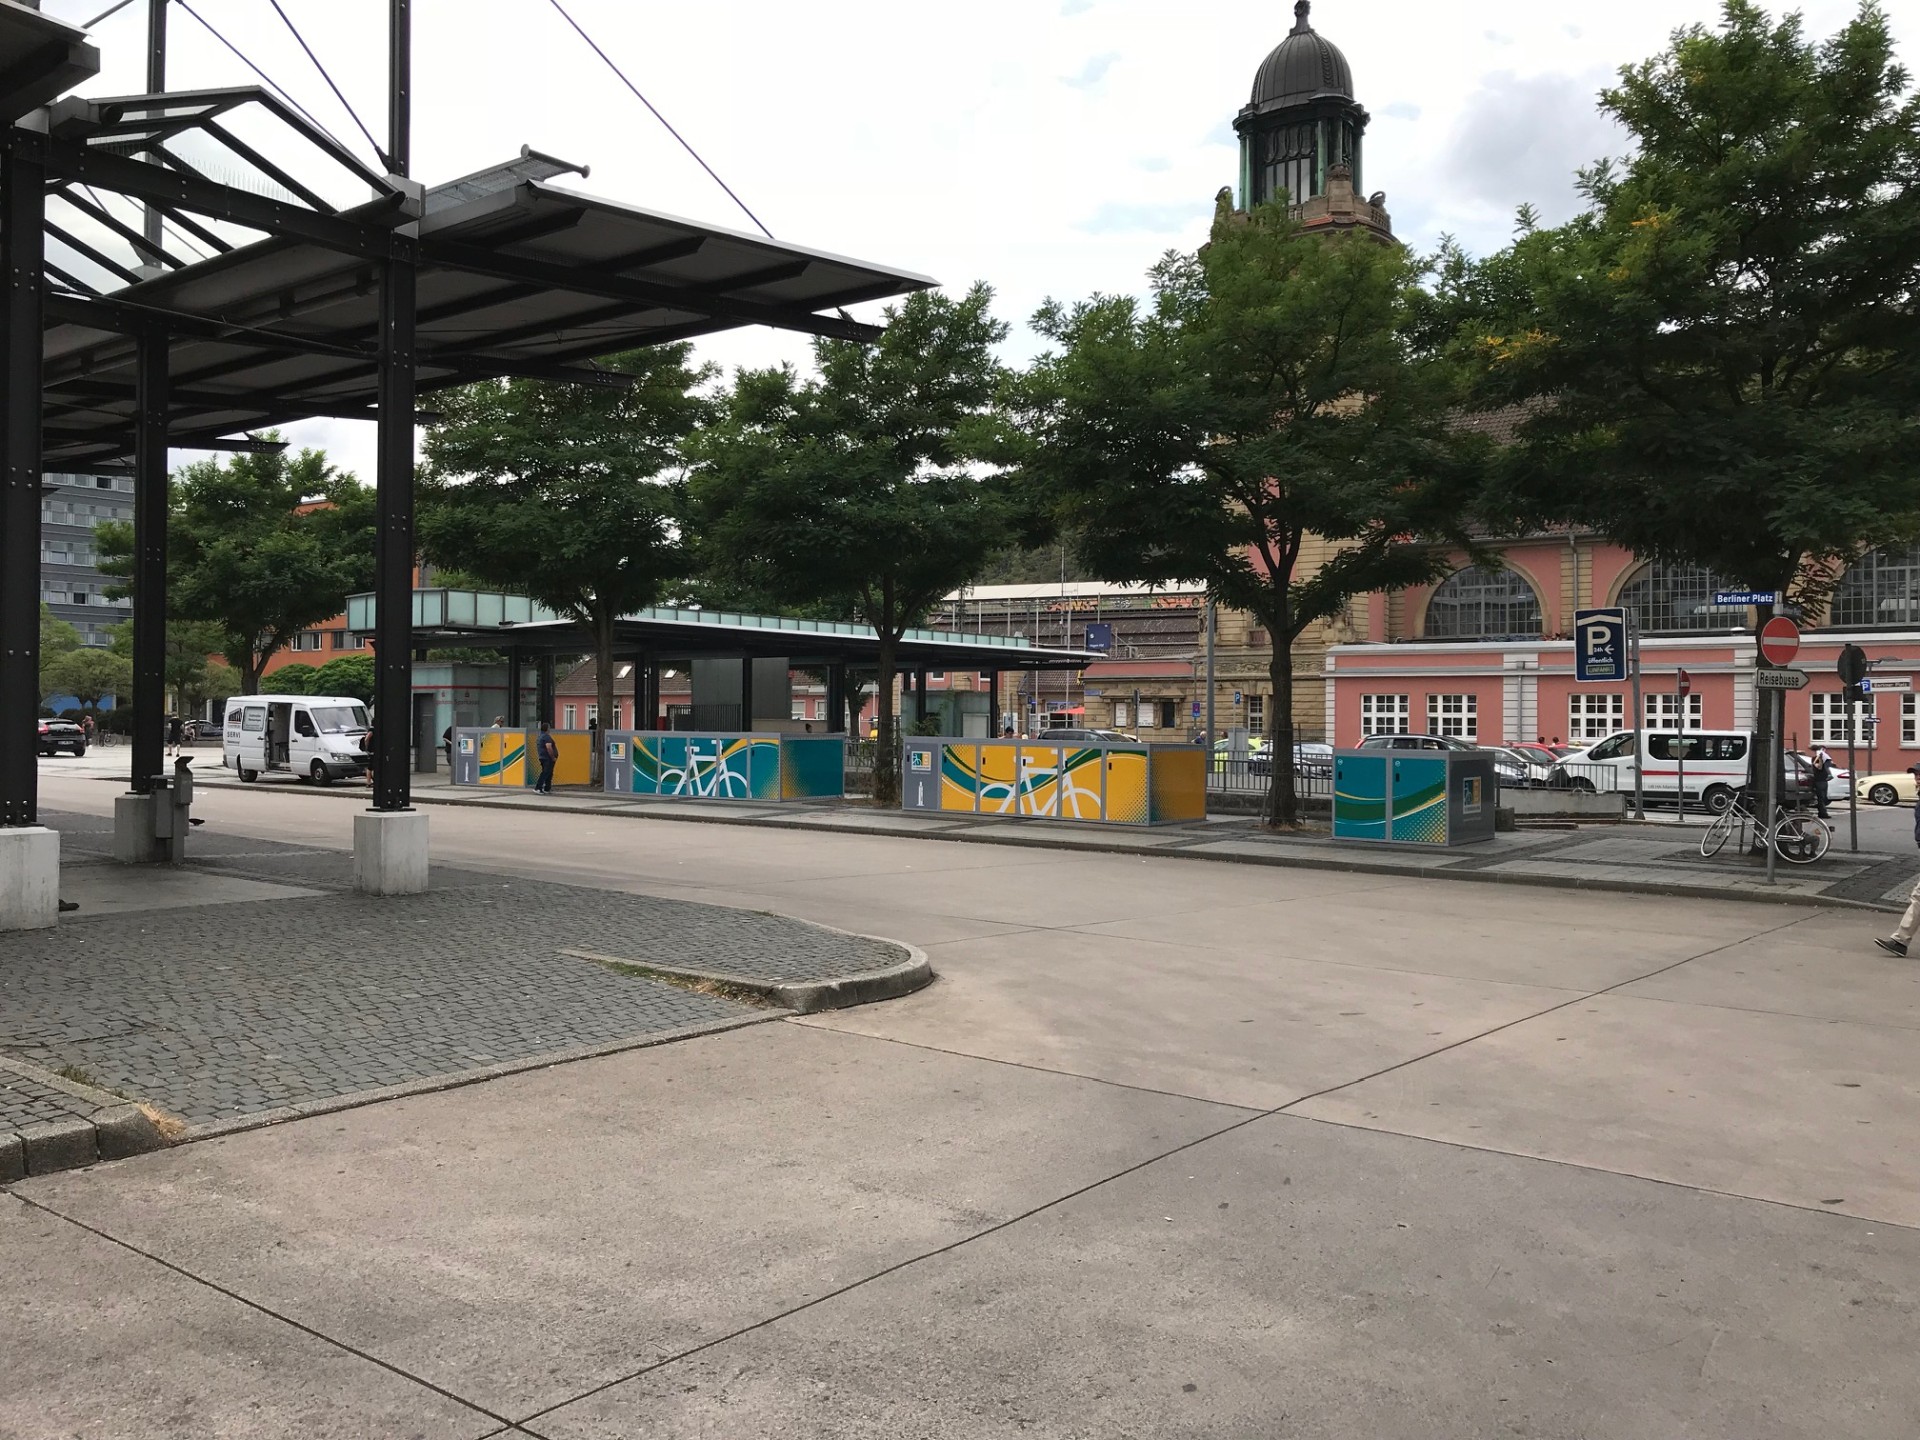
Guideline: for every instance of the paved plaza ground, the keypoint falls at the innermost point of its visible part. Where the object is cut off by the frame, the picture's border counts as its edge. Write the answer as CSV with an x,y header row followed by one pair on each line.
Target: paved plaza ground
x,y
1168,1149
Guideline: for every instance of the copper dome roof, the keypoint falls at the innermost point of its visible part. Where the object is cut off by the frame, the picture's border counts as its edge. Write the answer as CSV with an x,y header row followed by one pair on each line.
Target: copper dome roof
x,y
1302,67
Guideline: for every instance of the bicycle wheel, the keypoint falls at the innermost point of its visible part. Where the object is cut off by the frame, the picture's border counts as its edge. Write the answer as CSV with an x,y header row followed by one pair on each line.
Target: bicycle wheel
x,y
1718,832
1800,840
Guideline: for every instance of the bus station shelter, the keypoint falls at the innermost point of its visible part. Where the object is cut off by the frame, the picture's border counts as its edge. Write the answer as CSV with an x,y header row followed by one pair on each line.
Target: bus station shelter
x,y
186,268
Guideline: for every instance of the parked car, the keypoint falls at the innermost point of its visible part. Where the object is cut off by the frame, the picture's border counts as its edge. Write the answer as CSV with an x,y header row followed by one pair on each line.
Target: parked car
x,y
1841,775
1258,762
1310,757
58,735
1538,772
1511,769
1888,787
321,738
1082,737
1537,754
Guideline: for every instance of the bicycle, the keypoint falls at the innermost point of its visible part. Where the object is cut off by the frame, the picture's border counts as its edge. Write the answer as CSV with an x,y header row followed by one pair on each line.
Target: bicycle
x,y
1796,837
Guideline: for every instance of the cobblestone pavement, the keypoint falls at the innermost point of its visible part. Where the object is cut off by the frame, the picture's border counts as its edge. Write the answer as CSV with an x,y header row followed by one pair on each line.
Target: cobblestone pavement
x,y
219,1011
25,1101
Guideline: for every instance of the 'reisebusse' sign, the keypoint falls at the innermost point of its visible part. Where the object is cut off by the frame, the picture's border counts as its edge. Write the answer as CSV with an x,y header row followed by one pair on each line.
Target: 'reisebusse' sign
x,y
1599,645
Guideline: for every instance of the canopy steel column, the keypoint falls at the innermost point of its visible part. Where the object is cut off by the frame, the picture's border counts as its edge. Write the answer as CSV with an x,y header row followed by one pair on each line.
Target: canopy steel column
x,y
23,185
544,672
837,699
393,548
150,564
513,687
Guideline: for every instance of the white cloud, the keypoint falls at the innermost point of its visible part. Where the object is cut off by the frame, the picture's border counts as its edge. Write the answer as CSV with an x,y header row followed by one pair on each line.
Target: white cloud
x,y
1093,72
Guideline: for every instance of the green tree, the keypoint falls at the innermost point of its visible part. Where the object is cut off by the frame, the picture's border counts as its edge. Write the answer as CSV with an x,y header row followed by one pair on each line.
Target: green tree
x,y
347,675
57,638
861,491
567,493
90,675
1723,350
1270,392
261,545
190,648
294,679
219,681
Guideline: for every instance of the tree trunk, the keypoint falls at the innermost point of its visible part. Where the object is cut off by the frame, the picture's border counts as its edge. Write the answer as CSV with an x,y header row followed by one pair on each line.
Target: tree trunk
x,y
603,618
886,750
1283,799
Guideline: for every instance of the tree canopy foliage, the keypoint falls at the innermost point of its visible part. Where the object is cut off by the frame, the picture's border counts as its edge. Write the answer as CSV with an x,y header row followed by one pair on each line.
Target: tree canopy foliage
x,y
1721,352
567,493
865,491
262,546
1270,391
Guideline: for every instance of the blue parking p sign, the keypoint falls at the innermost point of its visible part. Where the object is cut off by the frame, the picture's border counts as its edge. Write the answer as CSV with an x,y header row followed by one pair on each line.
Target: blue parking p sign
x,y
1599,645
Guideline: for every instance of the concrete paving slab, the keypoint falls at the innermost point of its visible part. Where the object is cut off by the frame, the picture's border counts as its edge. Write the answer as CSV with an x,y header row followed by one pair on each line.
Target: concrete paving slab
x,y
1295,1280
521,1241
104,1343
1252,1029
117,889
1804,1111
1552,908
1378,932
1825,973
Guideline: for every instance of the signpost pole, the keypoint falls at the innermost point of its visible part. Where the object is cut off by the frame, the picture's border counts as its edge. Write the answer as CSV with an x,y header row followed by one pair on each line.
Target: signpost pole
x,y
1680,709
1639,720
1853,790
1776,708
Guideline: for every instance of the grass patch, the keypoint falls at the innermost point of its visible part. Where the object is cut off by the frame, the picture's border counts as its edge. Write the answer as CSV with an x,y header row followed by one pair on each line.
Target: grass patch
x,y
80,1077
717,989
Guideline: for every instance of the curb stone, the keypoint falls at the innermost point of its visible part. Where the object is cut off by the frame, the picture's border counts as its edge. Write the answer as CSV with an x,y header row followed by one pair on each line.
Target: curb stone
x,y
108,1128
802,997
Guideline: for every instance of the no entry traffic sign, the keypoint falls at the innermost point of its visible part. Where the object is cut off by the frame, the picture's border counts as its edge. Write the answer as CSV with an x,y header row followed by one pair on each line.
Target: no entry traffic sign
x,y
1779,640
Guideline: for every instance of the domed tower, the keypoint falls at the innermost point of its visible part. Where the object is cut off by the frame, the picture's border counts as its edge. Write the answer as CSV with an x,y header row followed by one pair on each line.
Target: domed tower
x,y
1301,134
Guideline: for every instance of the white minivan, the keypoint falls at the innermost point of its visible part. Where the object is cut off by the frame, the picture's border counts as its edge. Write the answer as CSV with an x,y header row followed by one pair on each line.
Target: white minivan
x,y
321,738
1717,763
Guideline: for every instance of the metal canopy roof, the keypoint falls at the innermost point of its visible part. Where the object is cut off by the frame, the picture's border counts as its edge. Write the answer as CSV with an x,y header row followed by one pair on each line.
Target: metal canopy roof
x,y
40,59
516,276
466,617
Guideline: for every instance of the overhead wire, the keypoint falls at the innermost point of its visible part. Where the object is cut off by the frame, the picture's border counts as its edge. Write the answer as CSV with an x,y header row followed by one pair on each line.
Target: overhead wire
x,y
345,103
110,10
594,46
271,83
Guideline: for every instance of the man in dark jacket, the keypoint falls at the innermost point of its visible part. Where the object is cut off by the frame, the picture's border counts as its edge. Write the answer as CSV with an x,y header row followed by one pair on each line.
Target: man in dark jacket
x,y
1910,921
548,750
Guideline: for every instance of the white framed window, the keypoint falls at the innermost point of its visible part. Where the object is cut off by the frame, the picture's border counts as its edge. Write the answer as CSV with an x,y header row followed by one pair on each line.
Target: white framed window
x,y
800,710
1594,717
1122,714
1454,717
569,716
1827,719
1385,714
1663,714
1909,721
306,640
593,713
1256,714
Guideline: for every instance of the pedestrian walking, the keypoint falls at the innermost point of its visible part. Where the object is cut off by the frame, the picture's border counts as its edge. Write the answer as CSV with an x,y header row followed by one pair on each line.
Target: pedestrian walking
x,y
1822,777
86,726
549,752
446,744
175,733
1909,922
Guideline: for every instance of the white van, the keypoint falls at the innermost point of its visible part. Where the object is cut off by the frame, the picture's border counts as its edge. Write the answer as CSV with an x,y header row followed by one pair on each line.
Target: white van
x,y
1717,763
321,738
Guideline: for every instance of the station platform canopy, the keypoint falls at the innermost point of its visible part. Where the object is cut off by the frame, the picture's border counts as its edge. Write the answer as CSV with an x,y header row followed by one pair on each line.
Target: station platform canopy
x,y
41,58
270,301
451,618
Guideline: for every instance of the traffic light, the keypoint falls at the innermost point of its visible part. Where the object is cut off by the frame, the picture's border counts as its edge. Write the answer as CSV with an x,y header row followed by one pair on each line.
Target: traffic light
x,y
1852,667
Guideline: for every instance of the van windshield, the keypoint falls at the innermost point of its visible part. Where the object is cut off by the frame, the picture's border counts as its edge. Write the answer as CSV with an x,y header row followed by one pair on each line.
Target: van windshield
x,y
339,719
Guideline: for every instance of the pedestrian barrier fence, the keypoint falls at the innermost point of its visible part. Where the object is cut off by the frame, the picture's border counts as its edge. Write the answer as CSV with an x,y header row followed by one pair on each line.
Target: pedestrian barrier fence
x,y
686,765
1421,797
1101,782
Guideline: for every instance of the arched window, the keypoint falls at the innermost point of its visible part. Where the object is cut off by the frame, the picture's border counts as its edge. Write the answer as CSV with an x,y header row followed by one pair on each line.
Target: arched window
x,y
1477,604
1882,587
1670,598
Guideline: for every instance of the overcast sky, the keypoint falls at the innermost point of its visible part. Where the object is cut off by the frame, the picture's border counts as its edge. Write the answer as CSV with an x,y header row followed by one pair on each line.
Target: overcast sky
x,y
1048,147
